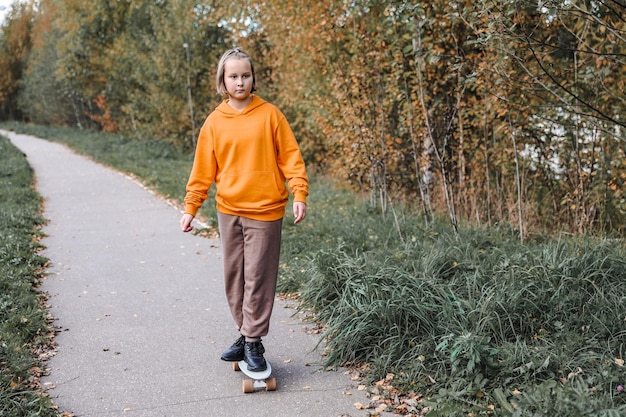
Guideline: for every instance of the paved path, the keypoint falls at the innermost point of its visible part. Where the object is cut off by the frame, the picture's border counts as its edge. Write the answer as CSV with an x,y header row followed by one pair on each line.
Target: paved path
x,y
142,313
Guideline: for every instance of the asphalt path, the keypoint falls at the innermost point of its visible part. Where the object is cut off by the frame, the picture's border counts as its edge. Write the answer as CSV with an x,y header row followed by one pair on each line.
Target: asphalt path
x,y
141,310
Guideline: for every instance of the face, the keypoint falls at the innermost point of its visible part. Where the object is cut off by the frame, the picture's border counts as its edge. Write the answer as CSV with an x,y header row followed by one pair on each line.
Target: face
x,y
238,79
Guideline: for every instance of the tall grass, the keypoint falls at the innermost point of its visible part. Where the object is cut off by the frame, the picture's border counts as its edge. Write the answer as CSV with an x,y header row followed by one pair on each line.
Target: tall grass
x,y
24,327
479,324
476,323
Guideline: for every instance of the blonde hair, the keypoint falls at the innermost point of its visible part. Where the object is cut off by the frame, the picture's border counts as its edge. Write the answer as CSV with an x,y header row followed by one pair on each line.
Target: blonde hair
x,y
235,53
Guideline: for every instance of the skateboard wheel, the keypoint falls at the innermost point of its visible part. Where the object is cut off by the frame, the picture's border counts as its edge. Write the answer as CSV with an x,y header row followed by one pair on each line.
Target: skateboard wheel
x,y
270,384
236,366
247,386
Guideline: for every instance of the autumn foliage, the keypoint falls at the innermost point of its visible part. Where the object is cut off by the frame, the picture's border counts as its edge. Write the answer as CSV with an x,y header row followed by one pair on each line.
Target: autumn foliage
x,y
496,111
105,120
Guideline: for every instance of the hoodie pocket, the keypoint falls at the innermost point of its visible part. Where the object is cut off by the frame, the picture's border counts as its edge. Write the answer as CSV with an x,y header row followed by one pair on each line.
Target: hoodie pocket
x,y
250,190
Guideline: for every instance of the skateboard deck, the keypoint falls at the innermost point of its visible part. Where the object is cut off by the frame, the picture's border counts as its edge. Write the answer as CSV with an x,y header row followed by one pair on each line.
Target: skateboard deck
x,y
257,380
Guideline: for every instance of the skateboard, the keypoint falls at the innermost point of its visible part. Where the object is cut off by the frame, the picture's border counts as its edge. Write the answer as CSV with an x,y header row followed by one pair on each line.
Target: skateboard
x,y
258,379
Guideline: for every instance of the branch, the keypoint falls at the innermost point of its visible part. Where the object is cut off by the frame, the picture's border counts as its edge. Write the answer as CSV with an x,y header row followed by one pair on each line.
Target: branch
x,y
584,51
612,10
571,93
598,20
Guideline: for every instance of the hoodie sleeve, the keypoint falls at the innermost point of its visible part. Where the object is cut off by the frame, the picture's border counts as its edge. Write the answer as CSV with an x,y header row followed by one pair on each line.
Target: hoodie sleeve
x,y
290,161
203,171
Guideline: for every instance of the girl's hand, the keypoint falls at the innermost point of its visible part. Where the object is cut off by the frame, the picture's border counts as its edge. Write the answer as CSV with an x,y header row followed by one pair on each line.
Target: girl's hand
x,y
185,223
299,211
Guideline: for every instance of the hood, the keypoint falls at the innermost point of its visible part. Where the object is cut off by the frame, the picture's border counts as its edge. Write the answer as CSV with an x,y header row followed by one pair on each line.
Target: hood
x,y
225,110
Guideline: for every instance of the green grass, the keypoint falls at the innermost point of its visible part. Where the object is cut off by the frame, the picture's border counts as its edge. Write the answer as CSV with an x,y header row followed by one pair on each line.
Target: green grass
x,y
472,325
468,323
24,328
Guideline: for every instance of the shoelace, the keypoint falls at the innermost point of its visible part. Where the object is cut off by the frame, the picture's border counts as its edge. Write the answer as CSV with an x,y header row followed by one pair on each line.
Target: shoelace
x,y
239,342
256,348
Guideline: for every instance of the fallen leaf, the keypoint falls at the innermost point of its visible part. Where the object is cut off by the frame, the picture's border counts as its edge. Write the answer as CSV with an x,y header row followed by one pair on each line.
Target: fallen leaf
x,y
619,362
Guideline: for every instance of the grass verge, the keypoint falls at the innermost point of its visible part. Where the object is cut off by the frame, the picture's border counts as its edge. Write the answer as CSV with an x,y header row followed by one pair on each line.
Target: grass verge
x,y
444,326
24,326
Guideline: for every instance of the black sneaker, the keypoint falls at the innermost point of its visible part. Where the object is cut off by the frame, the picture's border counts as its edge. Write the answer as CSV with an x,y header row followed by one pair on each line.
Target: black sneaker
x,y
235,352
253,355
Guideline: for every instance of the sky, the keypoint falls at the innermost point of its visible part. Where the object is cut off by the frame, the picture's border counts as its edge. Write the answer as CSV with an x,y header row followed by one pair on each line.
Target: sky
x,y
5,6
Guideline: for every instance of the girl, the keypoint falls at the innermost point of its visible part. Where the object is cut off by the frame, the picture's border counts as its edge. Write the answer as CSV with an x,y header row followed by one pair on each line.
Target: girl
x,y
248,150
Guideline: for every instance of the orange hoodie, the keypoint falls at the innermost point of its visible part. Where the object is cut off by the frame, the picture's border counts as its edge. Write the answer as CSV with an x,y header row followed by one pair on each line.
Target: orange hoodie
x,y
249,155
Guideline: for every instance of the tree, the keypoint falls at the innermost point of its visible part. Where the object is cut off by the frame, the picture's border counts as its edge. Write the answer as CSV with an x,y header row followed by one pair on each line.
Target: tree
x,y
563,67
15,46
125,67
495,111
44,98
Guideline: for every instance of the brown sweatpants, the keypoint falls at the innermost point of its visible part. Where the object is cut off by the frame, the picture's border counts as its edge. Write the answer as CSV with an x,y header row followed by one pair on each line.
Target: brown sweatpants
x,y
251,253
